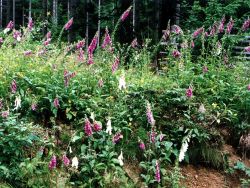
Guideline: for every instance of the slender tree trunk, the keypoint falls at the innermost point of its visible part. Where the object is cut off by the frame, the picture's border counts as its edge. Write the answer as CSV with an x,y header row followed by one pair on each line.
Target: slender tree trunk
x,y
8,18
87,23
23,15
136,13
68,16
45,19
99,21
14,12
177,12
29,9
1,14
157,19
55,4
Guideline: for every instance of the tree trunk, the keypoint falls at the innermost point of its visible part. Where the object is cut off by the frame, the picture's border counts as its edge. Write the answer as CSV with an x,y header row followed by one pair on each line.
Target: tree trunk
x,y
157,19
87,23
136,13
29,9
55,4
177,13
68,15
1,14
45,18
99,21
14,12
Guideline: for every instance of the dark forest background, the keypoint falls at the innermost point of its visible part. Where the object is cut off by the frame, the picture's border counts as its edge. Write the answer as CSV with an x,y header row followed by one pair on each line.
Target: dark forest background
x,y
147,18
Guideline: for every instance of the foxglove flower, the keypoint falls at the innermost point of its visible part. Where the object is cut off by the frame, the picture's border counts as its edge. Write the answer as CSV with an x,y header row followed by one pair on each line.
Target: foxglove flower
x,y
202,109
176,54
87,127
125,14
213,29
17,35
161,137
1,104
27,53
13,86
109,127
198,32
17,103
218,48
30,24
33,106
152,135
66,160
189,92
68,24
93,44
248,87
247,49
90,59
230,26
115,65
141,145
5,114
157,172
134,43
205,69
120,159
1,40
56,103
100,83
221,26
48,35
149,114
246,25
184,148
122,83
97,126
192,44
176,29
70,149
47,42
117,137
80,44
75,162
81,55
52,163
107,39
9,27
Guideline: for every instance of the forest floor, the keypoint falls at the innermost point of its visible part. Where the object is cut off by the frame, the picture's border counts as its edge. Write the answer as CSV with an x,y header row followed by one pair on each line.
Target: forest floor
x,y
200,176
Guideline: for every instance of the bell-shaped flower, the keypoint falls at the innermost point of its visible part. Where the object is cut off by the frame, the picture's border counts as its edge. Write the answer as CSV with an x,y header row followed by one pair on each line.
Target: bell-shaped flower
x,y
109,127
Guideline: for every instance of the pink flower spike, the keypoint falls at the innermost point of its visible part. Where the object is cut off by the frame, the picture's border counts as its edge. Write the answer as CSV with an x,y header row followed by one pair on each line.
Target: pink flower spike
x,y
192,44
157,172
248,87
125,14
56,103
5,114
189,92
97,127
246,25
149,114
115,65
17,35
13,86
66,160
230,26
247,49
10,25
117,137
100,83
80,44
198,32
81,55
176,54
48,35
90,59
27,53
68,24
221,26
93,44
52,163
1,40
87,127
141,145
30,24
107,39
134,43
33,106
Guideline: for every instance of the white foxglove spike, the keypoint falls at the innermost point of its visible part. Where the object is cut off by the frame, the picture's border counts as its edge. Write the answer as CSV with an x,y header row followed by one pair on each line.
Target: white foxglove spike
x,y
75,162
109,127
120,159
17,103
